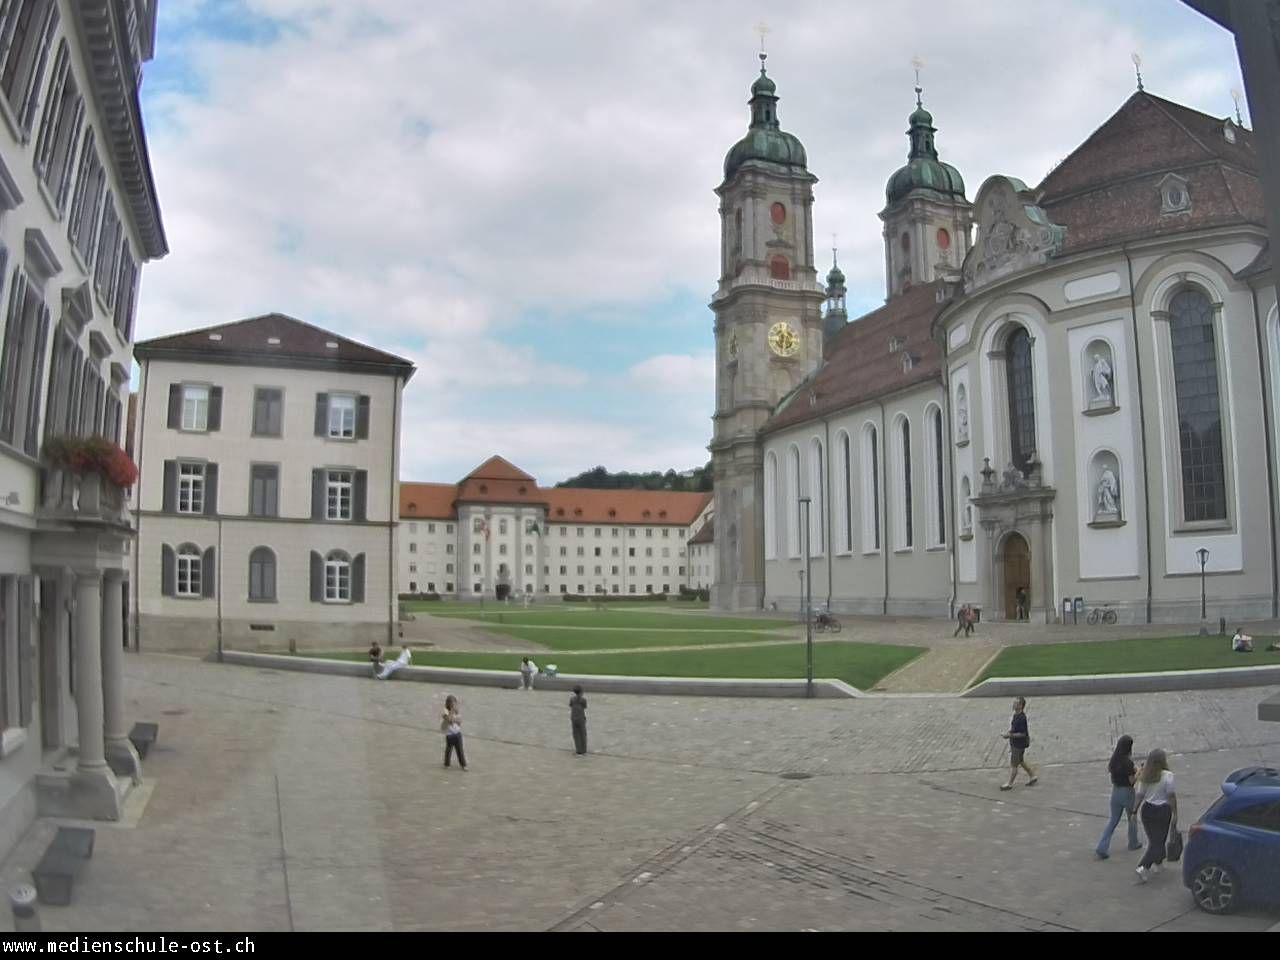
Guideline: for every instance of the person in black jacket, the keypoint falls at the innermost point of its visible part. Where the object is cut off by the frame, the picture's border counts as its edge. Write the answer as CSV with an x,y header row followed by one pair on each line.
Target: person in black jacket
x,y
1019,738
578,720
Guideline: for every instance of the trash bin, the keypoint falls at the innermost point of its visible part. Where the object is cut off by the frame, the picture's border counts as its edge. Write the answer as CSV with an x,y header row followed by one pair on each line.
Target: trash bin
x,y
550,670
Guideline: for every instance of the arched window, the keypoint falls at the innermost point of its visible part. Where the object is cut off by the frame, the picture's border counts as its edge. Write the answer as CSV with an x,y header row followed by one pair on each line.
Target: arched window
x,y
1195,378
189,581
906,532
1022,405
844,496
337,577
793,501
871,486
937,495
262,574
817,513
779,268
771,506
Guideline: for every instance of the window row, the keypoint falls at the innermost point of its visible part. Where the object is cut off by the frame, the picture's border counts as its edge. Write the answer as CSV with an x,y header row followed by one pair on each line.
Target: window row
x,y
191,486
197,408
188,572
812,484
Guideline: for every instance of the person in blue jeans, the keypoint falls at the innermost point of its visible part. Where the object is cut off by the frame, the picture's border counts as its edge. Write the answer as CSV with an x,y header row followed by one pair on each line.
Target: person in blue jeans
x,y
1122,773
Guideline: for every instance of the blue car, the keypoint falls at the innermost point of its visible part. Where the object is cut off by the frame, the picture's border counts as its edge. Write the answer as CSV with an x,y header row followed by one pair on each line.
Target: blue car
x,y
1232,854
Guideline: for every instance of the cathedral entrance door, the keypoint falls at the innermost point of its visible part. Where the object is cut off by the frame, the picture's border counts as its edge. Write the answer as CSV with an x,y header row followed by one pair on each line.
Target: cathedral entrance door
x,y
1017,572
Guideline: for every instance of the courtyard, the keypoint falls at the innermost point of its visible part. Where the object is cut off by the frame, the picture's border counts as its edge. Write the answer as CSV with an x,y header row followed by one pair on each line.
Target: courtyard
x,y
279,801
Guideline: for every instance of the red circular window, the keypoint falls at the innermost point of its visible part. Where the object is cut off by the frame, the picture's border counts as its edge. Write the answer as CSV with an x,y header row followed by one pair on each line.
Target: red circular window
x,y
779,269
779,213
944,239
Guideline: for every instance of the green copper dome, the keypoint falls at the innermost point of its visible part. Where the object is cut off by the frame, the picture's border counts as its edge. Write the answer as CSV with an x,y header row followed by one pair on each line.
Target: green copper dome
x,y
765,140
836,277
923,171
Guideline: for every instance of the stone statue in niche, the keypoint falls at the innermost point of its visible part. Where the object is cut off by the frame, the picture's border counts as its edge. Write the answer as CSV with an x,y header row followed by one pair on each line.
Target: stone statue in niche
x,y
1108,495
1101,375
962,417
968,517
1014,479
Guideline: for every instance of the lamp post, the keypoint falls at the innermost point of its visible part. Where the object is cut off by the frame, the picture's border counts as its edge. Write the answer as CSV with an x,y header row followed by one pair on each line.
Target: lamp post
x,y
1203,556
807,600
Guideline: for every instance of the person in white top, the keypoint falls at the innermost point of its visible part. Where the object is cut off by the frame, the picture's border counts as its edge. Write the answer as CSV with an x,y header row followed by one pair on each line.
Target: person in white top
x,y
1242,642
1158,808
400,662
528,670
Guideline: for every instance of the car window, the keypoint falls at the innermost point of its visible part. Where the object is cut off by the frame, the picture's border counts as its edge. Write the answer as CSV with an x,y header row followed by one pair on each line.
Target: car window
x,y
1264,816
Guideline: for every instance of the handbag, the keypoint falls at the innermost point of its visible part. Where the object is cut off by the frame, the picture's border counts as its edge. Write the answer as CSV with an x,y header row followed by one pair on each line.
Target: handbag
x,y
1173,850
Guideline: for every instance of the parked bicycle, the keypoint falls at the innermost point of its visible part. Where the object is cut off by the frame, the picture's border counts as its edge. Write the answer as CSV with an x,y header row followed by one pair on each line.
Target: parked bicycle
x,y
1102,614
824,622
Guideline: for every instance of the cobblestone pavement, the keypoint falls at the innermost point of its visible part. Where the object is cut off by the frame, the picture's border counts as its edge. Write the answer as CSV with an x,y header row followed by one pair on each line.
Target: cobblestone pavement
x,y
292,801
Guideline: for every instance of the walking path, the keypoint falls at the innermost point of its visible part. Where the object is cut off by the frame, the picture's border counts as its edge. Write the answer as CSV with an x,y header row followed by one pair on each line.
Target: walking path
x,y
289,801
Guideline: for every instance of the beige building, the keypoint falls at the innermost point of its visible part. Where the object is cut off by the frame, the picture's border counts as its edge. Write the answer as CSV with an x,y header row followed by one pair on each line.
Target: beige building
x,y
497,534
78,216
1070,392
269,460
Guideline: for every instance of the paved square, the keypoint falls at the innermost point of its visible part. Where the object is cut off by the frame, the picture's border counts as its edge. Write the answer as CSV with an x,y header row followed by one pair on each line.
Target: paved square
x,y
288,801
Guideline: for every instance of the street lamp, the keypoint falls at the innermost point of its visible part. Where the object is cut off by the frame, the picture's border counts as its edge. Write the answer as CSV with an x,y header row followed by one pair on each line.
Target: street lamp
x,y
807,600
1203,556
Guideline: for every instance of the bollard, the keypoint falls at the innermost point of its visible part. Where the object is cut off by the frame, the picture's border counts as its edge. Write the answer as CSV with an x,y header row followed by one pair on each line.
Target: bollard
x,y
23,900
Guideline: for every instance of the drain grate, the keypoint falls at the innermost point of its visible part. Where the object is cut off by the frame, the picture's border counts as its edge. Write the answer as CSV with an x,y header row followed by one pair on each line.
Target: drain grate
x,y
797,776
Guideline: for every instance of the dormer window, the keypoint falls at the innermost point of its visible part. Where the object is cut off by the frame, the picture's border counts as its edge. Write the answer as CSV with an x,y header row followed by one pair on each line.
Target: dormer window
x,y
1174,197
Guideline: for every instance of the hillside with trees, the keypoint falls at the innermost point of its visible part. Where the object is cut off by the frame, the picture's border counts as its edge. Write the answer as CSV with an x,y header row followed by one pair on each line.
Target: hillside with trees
x,y
696,480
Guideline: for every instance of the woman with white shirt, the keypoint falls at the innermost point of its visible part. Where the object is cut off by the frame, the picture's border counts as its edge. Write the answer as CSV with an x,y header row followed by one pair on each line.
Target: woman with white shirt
x,y
1158,808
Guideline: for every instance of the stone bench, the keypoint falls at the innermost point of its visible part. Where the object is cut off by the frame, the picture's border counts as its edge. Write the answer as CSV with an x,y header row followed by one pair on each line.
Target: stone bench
x,y
142,736
55,874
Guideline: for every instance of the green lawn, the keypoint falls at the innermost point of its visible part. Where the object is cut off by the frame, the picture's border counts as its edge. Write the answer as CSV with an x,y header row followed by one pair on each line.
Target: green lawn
x,y
555,639
862,665
567,615
1142,655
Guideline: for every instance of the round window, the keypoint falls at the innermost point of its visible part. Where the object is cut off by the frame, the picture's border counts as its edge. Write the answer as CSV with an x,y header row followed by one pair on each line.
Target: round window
x,y
779,214
944,239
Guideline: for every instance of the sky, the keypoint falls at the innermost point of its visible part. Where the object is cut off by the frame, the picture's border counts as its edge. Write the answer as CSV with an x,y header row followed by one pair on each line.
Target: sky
x,y
518,196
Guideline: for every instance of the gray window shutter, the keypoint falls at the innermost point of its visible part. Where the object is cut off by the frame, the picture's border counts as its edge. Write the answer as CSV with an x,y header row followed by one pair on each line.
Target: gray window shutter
x,y
214,421
170,486
362,418
175,406
357,579
273,492
360,496
26,651
317,494
317,576
207,580
322,414
210,489
168,571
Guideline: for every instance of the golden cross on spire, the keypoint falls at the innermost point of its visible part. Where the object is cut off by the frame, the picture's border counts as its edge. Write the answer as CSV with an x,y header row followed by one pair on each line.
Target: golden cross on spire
x,y
918,64
1235,95
834,238
1137,67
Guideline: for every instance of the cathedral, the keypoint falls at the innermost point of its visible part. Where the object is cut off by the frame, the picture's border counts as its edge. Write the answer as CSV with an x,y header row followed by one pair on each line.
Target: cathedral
x,y
1068,400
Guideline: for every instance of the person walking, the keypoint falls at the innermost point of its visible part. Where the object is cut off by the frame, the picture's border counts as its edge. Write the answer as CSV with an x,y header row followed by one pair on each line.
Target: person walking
x,y
578,720
962,620
1019,737
1122,773
1020,600
970,619
375,658
1158,807
451,727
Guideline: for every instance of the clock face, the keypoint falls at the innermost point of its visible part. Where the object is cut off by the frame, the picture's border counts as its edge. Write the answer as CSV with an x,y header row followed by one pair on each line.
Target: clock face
x,y
783,340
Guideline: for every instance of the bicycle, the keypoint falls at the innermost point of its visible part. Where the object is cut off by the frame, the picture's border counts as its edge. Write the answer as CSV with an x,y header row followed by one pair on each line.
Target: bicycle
x,y
824,622
1103,614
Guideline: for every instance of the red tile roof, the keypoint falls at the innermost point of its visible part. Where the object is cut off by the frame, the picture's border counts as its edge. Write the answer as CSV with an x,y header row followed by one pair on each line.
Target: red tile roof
x,y
1108,188
498,481
860,364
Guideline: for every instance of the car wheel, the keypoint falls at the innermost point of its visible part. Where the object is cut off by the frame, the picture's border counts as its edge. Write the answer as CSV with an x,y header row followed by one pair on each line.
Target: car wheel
x,y
1215,888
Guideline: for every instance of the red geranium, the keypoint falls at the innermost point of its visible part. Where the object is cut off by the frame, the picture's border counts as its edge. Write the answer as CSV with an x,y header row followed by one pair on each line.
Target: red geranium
x,y
95,454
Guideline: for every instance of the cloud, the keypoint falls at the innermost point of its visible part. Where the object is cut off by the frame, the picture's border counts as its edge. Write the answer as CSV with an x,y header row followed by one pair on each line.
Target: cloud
x,y
480,186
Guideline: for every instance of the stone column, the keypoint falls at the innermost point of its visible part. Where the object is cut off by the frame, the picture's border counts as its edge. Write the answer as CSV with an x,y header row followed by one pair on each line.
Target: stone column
x,y
121,755
93,787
